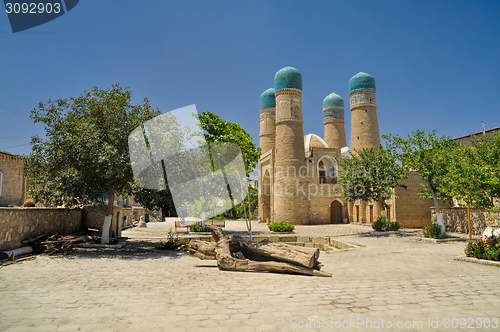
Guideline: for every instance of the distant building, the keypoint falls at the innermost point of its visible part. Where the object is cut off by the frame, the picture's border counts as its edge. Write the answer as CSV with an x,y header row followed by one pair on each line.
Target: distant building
x,y
298,174
467,138
12,181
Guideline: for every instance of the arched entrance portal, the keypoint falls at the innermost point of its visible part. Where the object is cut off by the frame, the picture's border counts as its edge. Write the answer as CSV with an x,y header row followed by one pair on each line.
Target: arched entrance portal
x,y
336,212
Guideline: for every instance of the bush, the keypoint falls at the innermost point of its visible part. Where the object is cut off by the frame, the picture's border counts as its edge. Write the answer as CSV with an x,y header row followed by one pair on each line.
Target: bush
x,y
393,226
380,224
281,227
484,248
172,242
433,231
196,228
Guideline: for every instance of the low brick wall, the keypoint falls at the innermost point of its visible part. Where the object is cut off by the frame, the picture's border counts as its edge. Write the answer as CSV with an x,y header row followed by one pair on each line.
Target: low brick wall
x,y
18,224
455,219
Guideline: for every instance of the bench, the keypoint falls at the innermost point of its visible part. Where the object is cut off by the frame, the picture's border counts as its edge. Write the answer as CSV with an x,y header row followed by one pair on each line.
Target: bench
x,y
189,223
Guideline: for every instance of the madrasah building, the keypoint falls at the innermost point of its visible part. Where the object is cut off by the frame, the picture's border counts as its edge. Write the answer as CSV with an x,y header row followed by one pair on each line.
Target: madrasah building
x,y
298,174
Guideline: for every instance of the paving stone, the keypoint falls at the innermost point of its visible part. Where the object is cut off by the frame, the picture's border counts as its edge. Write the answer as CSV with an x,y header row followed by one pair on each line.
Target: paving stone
x,y
97,290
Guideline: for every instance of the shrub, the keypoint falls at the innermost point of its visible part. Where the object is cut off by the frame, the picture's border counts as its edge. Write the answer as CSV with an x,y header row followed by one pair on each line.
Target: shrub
x,y
433,231
281,227
393,226
380,224
484,248
172,242
196,228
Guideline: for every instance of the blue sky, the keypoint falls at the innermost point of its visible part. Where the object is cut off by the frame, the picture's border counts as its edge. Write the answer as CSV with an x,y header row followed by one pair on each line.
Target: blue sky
x,y
436,63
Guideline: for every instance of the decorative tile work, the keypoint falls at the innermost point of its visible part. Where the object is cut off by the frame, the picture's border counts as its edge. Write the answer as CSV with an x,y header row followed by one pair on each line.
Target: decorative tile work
x,y
333,100
363,98
361,81
288,110
267,99
288,78
333,113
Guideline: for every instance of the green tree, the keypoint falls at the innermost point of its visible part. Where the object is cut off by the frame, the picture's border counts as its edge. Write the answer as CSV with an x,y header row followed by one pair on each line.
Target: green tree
x,y
159,200
84,155
371,175
429,156
474,173
220,130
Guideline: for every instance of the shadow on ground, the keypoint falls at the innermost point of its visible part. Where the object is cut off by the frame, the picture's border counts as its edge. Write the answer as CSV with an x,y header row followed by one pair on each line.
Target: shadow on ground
x,y
133,250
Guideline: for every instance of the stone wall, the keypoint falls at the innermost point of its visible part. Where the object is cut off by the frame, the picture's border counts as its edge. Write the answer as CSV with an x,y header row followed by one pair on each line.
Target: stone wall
x,y
18,224
93,217
456,220
12,180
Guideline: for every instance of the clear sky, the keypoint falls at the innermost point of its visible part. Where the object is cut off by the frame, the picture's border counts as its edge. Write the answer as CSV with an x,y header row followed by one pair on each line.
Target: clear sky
x,y
436,63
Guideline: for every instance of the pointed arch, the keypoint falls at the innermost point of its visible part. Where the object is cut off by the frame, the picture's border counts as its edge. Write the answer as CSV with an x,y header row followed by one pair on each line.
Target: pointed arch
x,y
327,169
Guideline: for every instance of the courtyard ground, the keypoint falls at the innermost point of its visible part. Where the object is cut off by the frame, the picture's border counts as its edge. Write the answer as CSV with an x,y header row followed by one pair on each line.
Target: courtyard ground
x,y
387,281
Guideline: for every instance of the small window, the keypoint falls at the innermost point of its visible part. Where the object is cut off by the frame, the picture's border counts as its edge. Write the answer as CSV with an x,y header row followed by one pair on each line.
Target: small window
x,y
1,178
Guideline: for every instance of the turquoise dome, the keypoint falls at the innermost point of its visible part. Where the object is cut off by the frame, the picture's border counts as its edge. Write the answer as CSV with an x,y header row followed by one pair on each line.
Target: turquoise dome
x,y
288,78
333,100
361,81
267,99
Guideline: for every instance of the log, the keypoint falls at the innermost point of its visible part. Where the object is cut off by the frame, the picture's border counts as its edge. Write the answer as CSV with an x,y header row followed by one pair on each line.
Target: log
x,y
281,252
202,249
236,254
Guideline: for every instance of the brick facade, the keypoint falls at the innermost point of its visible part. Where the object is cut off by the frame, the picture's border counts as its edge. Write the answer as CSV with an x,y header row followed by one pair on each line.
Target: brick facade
x,y
12,180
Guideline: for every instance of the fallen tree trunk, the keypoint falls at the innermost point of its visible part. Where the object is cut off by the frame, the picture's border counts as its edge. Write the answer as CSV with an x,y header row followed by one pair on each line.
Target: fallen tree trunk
x,y
236,254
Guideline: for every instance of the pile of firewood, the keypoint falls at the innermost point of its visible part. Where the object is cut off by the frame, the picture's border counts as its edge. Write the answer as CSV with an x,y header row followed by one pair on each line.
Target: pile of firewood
x,y
236,254
56,244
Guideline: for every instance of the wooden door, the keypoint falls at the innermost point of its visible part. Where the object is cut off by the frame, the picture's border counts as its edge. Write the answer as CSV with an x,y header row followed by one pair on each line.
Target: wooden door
x,y
336,212
371,213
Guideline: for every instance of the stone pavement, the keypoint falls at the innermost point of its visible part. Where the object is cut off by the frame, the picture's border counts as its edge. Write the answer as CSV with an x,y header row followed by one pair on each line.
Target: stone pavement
x,y
160,229
395,280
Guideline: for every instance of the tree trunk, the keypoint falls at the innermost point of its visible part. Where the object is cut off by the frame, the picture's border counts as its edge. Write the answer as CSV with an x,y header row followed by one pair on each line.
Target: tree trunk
x,y
249,222
439,214
382,211
203,210
236,254
108,218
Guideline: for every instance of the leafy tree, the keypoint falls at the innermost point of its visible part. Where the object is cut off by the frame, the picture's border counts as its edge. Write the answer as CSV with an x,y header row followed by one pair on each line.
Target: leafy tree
x,y
474,173
429,156
220,130
371,175
159,200
85,156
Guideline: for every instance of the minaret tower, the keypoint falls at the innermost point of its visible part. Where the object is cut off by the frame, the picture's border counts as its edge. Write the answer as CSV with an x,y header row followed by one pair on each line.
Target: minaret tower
x,y
333,114
364,122
267,120
290,184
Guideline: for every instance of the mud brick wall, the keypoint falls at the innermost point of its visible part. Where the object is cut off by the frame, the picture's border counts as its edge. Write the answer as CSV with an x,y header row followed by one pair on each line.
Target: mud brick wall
x,y
18,224
12,180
